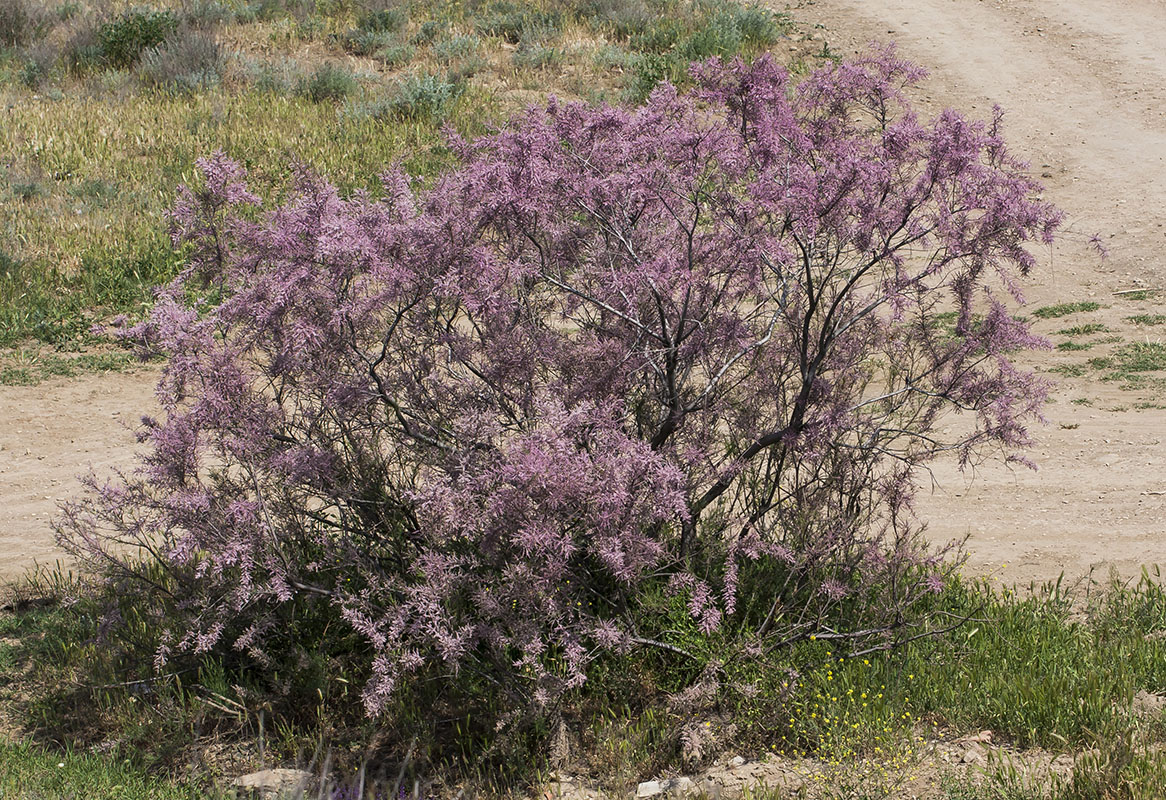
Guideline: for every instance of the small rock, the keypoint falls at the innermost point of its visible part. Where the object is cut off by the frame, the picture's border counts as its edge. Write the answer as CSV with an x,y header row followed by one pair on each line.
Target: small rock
x,y
736,761
272,784
681,787
973,755
649,789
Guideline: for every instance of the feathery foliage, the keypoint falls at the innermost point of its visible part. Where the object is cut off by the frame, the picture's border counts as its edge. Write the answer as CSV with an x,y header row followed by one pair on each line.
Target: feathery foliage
x,y
683,348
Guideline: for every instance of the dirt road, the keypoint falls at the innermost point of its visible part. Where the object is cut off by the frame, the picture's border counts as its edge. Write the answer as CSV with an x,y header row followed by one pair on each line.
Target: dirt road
x,y
50,434
1084,82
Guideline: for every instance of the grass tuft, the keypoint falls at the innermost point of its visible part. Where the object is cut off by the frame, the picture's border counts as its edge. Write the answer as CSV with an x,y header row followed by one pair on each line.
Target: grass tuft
x,y
1084,330
1065,309
1148,319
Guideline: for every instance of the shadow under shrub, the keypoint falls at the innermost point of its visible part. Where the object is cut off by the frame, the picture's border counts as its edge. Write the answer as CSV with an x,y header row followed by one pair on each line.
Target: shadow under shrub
x,y
649,384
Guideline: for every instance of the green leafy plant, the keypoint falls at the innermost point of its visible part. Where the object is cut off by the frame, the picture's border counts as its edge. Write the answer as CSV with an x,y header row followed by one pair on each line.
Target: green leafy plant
x,y
329,82
124,40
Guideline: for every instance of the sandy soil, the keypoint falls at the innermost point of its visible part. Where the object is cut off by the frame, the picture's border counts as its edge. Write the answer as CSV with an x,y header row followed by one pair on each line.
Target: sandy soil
x,y
49,435
1085,84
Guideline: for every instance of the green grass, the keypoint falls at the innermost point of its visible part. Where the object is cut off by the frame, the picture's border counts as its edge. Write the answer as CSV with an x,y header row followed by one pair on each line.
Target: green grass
x,y
1065,309
1084,330
30,366
1121,769
1043,667
1130,364
1024,654
1072,346
1142,294
1148,319
29,772
82,230
72,268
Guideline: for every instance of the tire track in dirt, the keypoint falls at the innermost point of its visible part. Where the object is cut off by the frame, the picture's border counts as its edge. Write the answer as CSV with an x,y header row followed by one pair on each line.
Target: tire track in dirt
x,y
1083,85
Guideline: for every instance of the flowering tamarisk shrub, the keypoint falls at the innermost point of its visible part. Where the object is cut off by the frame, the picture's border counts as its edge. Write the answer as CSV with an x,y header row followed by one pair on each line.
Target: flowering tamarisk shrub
x,y
689,347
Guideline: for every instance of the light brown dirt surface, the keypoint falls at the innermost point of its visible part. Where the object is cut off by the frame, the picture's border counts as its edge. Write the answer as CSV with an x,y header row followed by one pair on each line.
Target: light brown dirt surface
x,y
49,435
1084,85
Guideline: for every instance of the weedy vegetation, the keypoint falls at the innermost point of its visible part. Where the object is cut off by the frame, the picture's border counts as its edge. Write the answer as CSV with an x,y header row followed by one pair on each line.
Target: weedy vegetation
x,y
867,722
1065,309
145,90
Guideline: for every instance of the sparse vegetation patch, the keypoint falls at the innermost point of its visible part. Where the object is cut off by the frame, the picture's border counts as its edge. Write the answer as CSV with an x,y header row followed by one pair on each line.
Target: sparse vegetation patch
x,y
1065,309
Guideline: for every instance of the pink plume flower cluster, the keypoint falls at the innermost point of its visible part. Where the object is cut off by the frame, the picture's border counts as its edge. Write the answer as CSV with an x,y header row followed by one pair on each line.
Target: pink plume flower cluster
x,y
690,345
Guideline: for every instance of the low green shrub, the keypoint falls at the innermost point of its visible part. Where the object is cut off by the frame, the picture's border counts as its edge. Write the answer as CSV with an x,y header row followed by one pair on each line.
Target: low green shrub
x,y
279,76
39,61
328,82
124,40
512,21
415,97
361,42
621,18
429,31
82,51
456,48
395,54
534,53
383,20
205,14
27,189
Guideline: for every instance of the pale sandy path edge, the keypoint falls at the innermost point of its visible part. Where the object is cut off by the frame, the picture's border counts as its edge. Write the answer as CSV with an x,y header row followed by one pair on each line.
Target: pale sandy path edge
x,y
1083,85
52,433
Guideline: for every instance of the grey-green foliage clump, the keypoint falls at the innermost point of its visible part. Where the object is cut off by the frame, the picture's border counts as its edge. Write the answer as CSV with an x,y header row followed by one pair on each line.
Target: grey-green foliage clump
x,y
206,14
455,48
429,31
360,42
512,21
22,22
376,30
184,63
463,56
664,38
327,83
535,53
424,96
395,54
385,20
278,76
